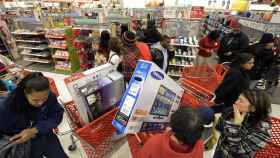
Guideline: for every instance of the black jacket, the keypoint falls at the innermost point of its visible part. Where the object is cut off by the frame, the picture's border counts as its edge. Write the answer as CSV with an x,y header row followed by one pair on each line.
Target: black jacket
x,y
236,81
233,43
264,59
45,118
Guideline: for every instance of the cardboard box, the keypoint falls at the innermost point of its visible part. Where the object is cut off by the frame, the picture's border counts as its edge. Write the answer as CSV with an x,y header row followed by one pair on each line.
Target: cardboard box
x,y
149,100
95,91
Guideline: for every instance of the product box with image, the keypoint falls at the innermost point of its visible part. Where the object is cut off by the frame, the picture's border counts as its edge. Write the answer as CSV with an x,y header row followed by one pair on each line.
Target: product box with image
x,y
95,91
149,100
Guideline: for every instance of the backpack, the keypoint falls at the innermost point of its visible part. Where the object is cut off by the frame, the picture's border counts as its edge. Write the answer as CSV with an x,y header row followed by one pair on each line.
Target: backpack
x,y
129,62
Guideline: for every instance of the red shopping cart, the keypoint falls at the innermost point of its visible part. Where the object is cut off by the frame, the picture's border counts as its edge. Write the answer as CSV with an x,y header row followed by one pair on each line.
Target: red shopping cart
x,y
272,149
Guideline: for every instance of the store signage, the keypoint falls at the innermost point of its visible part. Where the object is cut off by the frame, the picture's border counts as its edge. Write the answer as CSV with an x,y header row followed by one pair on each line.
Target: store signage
x,y
197,12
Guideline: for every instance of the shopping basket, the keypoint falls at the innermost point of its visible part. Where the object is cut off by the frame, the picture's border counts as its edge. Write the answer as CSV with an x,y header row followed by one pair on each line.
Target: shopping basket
x,y
195,95
272,149
206,76
96,137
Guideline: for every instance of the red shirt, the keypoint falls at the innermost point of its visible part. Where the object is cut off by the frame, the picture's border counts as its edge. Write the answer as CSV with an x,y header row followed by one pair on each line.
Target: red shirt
x,y
205,43
162,146
145,52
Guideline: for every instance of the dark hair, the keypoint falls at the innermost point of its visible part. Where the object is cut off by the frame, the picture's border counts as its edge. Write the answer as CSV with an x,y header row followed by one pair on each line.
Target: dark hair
x,y
186,125
213,35
33,82
266,38
114,45
164,37
241,59
104,42
261,101
3,86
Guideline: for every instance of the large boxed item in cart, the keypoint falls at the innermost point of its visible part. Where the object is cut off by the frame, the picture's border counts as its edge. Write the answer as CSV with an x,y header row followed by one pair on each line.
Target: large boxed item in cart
x,y
95,91
149,100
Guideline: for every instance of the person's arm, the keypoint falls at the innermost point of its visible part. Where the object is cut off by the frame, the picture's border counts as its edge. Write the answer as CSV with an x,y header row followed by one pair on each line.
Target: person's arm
x,y
243,141
115,60
55,115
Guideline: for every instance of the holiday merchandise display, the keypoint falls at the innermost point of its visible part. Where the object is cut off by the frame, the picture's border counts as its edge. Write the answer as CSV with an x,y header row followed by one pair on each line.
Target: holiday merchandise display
x,y
145,109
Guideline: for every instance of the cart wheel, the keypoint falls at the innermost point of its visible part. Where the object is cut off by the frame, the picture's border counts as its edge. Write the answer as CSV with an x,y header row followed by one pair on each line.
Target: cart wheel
x,y
72,147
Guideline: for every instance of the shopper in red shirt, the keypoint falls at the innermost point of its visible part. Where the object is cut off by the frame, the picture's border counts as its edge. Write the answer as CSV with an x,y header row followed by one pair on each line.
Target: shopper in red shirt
x,y
183,140
145,52
208,46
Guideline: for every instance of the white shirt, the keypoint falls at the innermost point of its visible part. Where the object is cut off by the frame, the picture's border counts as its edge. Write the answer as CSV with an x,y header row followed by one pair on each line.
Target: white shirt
x,y
165,54
114,59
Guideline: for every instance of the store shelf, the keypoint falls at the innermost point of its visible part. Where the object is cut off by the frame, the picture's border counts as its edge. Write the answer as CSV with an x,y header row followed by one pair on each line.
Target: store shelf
x,y
185,56
180,65
39,54
58,47
30,41
34,48
37,60
62,68
186,45
60,57
28,33
55,37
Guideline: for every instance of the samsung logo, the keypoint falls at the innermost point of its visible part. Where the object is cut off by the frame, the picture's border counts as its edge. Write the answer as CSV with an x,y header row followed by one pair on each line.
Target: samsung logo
x,y
157,75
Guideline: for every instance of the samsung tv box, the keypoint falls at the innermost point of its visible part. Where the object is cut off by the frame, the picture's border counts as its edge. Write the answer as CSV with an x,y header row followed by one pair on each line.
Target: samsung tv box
x,y
149,100
96,91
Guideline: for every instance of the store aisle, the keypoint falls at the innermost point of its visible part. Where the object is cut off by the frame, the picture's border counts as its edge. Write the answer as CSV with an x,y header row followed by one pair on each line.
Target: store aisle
x,y
123,150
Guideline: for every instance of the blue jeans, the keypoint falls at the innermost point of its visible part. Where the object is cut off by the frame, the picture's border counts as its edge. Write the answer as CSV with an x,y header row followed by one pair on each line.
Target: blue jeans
x,y
48,146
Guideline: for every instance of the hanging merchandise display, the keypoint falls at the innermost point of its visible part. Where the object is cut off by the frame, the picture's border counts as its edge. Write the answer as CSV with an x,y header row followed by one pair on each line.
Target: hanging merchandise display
x,y
145,109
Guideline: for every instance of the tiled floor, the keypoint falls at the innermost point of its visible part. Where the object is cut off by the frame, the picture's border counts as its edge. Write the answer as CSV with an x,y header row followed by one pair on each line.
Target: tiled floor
x,y
123,151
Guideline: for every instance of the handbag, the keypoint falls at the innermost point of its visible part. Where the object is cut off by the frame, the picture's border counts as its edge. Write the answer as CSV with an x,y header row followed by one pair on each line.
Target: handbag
x,y
10,150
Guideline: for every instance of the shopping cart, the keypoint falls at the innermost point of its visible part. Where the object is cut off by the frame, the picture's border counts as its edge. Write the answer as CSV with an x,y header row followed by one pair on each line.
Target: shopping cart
x,y
95,137
206,76
272,149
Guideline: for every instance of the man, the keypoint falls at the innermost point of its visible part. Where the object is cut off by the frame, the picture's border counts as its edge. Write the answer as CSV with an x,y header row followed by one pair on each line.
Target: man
x,y
183,140
162,52
233,43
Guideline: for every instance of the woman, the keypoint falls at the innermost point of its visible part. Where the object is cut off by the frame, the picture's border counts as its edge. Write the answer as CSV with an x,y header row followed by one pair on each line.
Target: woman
x,y
235,81
29,115
208,46
102,54
116,51
246,126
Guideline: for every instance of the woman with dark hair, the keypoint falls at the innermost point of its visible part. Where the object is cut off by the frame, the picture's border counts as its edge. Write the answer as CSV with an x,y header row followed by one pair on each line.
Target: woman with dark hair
x,y
208,46
235,81
102,55
151,34
245,126
116,51
29,115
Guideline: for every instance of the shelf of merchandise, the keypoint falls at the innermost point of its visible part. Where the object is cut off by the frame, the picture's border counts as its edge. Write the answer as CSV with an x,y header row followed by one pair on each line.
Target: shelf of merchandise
x,y
38,60
33,46
185,56
186,45
58,35
30,41
45,54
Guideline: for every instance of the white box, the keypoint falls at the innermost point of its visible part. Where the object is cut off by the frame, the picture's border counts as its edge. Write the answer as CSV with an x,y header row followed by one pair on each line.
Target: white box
x,y
149,100
95,91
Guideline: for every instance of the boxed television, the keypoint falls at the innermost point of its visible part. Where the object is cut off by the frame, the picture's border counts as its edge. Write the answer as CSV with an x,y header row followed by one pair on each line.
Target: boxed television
x,y
149,100
96,91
